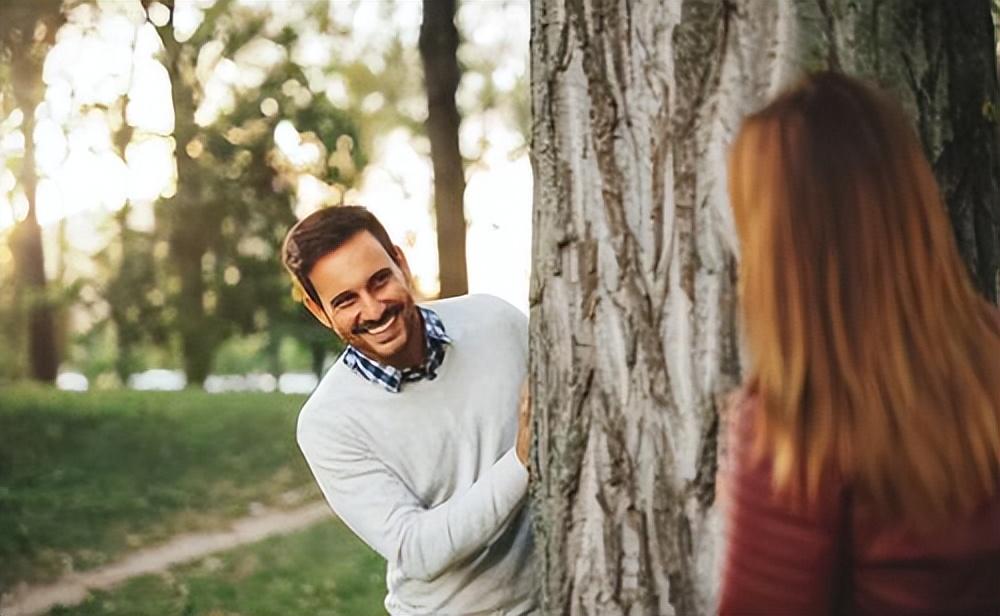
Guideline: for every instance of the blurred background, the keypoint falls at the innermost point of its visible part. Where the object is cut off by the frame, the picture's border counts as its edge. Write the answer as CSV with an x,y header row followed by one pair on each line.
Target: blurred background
x,y
152,157
172,149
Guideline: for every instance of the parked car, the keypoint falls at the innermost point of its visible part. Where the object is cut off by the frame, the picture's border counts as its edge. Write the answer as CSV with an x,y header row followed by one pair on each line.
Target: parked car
x,y
158,379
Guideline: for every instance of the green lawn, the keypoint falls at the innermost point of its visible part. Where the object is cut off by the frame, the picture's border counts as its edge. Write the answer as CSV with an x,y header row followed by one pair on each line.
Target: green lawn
x,y
322,571
87,477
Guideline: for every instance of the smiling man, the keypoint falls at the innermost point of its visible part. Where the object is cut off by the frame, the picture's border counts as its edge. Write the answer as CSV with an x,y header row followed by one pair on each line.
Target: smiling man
x,y
415,434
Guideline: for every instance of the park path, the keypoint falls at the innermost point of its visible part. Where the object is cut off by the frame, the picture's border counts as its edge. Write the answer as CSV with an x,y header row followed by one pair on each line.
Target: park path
x,y
74,588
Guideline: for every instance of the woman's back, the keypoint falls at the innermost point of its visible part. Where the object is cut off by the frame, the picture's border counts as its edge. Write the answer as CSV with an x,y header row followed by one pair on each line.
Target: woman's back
x,y
873,369
830,558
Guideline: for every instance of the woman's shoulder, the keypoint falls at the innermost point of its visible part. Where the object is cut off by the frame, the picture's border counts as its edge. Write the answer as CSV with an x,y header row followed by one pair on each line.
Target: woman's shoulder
x,y
750,466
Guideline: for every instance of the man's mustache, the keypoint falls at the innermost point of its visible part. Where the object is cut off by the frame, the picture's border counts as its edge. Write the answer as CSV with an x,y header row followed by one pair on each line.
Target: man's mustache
x,y
387,315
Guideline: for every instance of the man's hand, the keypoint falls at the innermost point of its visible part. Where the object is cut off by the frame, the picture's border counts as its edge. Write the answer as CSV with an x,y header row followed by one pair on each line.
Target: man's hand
x,y
524,424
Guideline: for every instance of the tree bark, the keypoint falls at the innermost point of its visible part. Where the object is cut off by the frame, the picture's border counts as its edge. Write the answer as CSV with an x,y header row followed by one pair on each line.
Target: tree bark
x,y
438,46
633,334
634,340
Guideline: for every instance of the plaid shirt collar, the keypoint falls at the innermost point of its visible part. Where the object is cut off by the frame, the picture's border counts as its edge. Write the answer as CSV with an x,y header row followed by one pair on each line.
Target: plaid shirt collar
x,y
392,378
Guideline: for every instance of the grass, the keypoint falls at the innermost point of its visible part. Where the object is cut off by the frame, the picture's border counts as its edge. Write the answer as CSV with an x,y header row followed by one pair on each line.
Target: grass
x,y
87,477
322,571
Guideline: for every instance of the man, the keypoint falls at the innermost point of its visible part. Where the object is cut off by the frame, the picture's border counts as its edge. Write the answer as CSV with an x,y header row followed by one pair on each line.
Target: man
x,y
414,434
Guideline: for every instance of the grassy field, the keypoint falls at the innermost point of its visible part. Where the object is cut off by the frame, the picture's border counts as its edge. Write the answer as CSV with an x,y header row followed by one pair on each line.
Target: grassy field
x,y
86,477
322,571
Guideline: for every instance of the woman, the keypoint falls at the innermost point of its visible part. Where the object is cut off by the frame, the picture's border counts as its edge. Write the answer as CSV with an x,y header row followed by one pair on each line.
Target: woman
x,y
866,443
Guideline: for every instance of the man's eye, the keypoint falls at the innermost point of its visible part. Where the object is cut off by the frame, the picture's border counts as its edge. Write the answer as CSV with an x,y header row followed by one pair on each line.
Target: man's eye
x,y
344,303
381,278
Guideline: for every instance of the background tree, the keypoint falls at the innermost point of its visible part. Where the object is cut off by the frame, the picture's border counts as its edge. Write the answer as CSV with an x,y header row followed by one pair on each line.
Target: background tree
x,y
27,31
130,289
189,225
438,50
633,294
225,236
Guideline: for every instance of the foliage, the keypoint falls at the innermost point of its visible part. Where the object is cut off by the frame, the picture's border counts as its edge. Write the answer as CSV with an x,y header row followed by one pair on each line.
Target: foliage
x,y
85,477
26,32
323,571
233,203
206,272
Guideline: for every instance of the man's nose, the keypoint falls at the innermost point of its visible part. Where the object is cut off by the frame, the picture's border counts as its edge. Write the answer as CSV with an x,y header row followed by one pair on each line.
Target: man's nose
x,y
371,308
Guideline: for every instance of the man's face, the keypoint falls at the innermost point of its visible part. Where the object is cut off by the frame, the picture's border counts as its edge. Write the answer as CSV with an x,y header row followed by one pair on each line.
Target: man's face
x,y
368,301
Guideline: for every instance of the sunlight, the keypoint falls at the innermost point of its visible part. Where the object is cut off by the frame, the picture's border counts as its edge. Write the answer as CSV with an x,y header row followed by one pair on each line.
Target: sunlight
x,y
151,168
101,55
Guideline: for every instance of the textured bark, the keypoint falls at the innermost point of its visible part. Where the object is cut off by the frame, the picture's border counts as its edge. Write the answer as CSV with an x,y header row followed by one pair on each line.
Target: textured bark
x,y
633,333
438,47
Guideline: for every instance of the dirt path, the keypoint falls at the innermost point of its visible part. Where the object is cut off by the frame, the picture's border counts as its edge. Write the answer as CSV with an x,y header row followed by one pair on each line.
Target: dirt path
x,y
73,588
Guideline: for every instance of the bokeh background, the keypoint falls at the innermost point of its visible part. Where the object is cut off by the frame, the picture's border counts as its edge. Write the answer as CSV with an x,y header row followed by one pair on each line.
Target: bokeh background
x,y
152,358
173,151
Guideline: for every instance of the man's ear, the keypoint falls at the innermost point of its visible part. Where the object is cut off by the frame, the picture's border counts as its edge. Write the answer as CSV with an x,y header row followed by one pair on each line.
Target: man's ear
x,y
318,312
400,259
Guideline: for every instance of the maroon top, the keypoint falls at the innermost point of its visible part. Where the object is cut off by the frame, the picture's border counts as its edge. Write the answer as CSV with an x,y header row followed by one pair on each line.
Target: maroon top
x,y
827,559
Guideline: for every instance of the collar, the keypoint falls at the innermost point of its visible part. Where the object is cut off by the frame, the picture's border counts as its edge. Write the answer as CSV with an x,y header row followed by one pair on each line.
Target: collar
x,y
392,378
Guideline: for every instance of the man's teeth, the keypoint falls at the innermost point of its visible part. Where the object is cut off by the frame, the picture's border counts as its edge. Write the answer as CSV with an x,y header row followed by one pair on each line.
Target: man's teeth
x,y
382,328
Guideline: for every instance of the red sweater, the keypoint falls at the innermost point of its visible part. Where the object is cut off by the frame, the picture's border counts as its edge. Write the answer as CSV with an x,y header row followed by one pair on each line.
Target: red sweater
x,y
826,559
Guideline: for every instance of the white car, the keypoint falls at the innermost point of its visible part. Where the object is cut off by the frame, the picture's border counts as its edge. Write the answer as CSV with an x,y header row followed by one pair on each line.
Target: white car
x,y
158,379
72,381
297,383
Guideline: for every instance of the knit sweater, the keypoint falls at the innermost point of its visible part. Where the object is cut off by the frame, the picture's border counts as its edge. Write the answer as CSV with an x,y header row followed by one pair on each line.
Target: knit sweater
x,y
428,477
831,558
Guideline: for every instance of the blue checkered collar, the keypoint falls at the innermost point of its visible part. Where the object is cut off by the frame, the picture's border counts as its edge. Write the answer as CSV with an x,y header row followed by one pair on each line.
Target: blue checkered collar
x,y
392,378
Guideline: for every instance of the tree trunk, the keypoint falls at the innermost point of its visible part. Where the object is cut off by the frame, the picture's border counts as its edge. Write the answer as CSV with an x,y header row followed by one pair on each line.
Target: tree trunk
x,y
940,60
438,46
188,228
633,334
191,224
26,240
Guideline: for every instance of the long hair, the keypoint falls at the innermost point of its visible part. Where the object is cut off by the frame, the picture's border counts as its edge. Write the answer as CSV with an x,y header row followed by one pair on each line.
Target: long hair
x,y
872,356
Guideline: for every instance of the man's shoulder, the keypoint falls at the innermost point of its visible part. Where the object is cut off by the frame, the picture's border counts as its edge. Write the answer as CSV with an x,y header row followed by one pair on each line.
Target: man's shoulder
x,y
476,308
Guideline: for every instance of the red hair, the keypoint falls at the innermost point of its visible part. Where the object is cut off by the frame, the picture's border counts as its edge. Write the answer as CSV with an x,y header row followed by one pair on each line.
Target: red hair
x,y
872,354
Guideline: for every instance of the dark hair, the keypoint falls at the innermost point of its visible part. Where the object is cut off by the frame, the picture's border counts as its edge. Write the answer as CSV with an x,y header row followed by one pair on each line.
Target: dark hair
x,y
322,232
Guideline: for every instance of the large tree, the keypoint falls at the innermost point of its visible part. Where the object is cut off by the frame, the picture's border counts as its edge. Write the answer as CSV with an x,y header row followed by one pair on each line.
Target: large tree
x,y
633,337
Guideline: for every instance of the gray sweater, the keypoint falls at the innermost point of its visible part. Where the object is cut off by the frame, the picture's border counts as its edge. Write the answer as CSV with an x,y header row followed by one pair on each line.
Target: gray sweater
x,y
428,477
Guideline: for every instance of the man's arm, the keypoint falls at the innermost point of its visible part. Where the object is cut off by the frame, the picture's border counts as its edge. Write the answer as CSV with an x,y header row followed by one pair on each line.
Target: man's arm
x,y
422,542
524,425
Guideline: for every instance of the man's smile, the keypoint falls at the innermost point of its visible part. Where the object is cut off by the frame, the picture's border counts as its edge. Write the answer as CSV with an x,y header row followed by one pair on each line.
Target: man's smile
x,y
382,324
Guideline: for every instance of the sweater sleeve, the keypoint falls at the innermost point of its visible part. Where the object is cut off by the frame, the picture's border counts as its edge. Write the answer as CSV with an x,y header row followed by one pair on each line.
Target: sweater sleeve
x,y
780,558
421,542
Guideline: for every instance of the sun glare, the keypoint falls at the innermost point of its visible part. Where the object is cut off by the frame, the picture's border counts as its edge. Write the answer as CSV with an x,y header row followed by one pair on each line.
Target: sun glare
x,y
103,55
